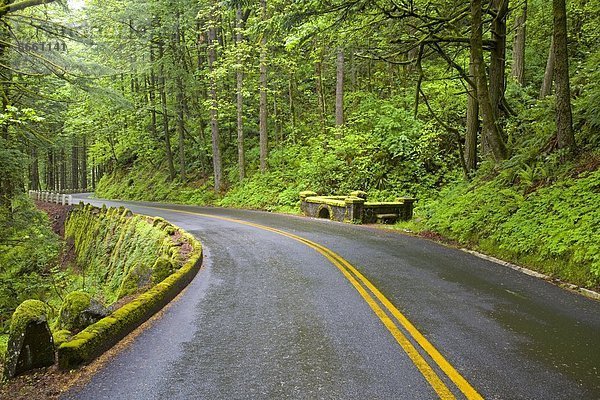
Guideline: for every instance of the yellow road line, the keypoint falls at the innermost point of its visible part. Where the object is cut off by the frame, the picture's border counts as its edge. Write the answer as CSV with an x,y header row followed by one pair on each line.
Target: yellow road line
x,y
347,270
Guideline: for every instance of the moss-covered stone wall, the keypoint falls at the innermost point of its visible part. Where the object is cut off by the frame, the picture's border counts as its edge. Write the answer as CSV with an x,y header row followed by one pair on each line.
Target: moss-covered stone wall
x,y
133,254
117,251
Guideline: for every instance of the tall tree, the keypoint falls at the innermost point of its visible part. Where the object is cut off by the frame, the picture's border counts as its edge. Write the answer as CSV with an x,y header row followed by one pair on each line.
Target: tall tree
x,y
214,118
263,92
497,75
518,51
239,94
548,79
472,134
491,128
564,118
339,88
162,89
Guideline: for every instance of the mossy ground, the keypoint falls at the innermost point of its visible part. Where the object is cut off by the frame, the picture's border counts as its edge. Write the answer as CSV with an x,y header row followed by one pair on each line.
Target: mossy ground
x,y
545,226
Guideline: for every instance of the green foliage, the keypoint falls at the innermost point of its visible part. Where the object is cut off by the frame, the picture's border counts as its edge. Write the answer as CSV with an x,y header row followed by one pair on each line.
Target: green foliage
x,y
383,150
547,227
28,250
3,346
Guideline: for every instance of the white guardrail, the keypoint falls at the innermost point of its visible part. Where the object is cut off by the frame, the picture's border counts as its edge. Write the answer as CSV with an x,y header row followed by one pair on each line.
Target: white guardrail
x,y
52,197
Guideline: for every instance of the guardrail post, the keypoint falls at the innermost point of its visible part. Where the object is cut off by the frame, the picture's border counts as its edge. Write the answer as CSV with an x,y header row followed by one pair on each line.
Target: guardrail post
x,y
70,200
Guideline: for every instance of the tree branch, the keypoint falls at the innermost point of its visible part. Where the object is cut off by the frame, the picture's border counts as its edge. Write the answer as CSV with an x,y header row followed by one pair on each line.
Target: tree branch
x,y
21,5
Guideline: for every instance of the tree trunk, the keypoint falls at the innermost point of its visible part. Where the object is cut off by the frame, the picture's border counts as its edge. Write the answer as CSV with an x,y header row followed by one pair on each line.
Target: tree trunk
x,y
74,165
214,122
152,96
492,133
35,169
518,53
240,98
339,89
180,98
181,127
50,170
263,94
63,170
291,100
93,174
84,183
498,56
564,118
165,111
472,123
546,88
320,90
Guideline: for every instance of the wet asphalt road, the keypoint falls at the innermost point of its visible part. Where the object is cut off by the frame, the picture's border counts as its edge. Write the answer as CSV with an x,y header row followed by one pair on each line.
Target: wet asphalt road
x,y
269,318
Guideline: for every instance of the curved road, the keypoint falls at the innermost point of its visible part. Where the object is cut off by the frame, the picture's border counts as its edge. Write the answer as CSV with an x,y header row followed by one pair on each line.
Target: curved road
x,y
271,317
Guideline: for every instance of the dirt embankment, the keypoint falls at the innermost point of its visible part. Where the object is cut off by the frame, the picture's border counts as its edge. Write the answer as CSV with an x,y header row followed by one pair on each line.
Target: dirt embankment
x,y
58,215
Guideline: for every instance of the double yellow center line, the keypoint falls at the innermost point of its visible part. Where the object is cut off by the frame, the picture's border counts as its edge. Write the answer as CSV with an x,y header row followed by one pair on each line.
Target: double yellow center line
x,y
370,293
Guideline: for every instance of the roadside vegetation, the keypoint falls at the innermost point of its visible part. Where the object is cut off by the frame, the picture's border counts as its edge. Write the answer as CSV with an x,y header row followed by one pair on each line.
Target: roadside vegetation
x,y
487,111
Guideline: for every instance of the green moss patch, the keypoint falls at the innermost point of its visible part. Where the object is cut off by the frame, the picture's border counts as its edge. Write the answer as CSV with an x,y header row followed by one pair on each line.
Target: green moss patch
x,y
69,315
30,343
97,338
132,254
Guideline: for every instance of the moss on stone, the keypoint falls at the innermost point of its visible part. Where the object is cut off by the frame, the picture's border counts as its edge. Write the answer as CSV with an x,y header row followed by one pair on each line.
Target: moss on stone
x,y
26,312
162,268
100,336
359,193
72,307
30,342
61,337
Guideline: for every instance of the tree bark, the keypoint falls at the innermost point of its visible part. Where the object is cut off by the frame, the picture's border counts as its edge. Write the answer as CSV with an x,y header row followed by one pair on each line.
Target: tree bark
x,y
50,177
35,169
63,170
472,122
21,5
492,132
291,100
214,122
518,53
564,118
339,89
93,175
498,56
546,88
240,97
74,165
165,112
84,182
263,94
181,106
152,95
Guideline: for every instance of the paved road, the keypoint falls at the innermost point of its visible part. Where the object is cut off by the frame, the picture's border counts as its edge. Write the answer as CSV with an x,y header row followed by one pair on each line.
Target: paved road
x,y
269,318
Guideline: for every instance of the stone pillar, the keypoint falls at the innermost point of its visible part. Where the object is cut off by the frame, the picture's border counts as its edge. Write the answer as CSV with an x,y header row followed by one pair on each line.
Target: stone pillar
x,y
30,343
354,209
303,196
408,206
